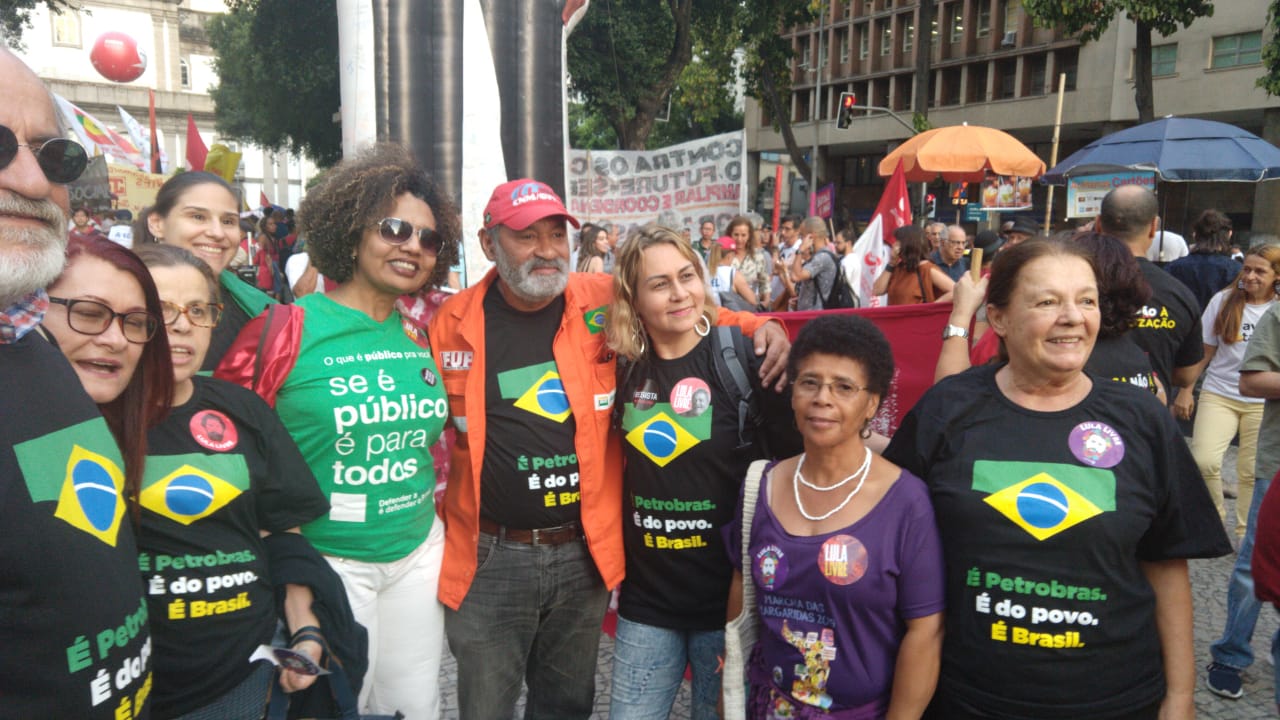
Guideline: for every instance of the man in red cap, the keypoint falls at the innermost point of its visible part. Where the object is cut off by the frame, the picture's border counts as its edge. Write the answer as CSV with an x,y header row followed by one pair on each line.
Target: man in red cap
x,y
533,507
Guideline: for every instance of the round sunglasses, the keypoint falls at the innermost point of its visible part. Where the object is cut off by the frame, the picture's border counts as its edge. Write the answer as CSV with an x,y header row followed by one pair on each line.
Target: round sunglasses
x,y
61,160
398,232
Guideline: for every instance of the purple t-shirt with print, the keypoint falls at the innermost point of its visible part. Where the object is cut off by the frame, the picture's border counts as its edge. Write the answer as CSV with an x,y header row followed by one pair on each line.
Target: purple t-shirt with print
x,y
834,606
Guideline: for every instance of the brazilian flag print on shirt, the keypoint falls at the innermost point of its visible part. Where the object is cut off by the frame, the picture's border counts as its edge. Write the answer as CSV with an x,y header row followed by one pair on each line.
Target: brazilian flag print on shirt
x,y
1045,499
536,389
661,435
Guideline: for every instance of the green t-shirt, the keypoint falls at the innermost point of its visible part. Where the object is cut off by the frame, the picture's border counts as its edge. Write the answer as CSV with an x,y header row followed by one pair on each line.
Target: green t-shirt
x,y
365,403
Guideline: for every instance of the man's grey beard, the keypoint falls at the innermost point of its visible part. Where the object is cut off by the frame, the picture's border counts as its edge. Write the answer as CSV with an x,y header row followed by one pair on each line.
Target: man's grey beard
x,y
526,286
30,258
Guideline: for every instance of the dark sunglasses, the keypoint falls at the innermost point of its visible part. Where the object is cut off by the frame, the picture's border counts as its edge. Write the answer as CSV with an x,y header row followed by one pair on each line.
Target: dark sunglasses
x,y
62,160
398,232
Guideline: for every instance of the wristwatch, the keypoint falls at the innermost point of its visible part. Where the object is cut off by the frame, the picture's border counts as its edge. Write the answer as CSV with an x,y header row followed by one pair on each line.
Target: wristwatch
x,y
951,331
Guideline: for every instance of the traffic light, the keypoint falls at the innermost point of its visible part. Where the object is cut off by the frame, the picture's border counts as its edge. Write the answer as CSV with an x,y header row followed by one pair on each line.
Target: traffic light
x,y
930,205
844,118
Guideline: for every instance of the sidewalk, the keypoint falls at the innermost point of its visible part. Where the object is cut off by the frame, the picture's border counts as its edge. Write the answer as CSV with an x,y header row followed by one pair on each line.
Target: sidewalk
x,y
1209,593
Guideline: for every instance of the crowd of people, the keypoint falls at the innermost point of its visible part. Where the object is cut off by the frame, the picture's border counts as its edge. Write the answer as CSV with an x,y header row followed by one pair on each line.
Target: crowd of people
x,y
378,467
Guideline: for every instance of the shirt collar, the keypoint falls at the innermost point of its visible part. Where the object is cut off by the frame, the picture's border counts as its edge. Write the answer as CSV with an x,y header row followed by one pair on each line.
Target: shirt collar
x,y
22,317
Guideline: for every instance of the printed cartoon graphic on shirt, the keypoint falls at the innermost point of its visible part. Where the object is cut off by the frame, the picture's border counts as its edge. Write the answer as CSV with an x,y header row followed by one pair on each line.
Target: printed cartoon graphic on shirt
x,y
1096,444
536,389
79,467
770,566
809,683
1044,499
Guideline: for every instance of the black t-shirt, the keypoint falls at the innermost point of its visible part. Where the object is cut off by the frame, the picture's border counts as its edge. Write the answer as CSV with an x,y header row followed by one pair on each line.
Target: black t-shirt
x,y
1168,326
71,602
1119,358
1046,518
683,474
220,468
530,473
233,320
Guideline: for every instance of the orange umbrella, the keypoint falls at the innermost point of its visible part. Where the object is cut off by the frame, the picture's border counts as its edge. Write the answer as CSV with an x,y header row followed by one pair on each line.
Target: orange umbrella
x,y
962,153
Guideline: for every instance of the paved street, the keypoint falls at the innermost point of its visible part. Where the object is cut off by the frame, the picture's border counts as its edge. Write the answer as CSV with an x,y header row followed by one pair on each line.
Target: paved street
x,y
1208,581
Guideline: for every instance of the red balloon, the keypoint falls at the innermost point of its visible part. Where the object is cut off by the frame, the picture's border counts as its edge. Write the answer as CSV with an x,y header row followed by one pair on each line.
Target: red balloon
x,y
116,56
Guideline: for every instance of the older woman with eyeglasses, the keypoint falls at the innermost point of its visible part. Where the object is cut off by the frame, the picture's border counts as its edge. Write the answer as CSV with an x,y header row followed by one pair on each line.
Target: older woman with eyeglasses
x,y
843,549
362,397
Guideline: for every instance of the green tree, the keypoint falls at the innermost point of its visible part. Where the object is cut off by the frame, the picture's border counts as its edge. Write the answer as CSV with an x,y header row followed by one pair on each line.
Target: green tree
x,y
767,69
627,56
1090,18
1271,52
277,65
15,17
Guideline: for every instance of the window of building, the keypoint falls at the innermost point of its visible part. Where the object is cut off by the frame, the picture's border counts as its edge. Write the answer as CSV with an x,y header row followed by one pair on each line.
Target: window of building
x,y
1006,79
957,22
1237,50
822,51
66,28
1067,61
977,83
864,42
848,8
1164,59
800,105
983,21
844,45
1036,68
1011,10
933,30
908,36
886,37
803,50
184,73
951,86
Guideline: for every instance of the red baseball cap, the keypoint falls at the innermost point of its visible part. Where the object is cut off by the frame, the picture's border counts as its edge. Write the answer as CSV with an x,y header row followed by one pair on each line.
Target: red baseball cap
x,y
521,203
727,242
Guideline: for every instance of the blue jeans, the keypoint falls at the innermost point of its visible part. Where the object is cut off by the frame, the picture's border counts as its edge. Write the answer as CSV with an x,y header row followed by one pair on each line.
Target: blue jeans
x,y
648,667
1233,648
532,614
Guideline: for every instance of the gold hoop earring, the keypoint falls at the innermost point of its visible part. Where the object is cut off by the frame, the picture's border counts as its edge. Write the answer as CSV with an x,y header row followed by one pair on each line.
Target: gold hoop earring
x,y
637,335
699,329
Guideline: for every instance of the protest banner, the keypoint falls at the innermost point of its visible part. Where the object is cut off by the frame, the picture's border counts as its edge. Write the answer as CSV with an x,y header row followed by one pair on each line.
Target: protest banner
x,y
681,186
824,202
1085,193
134,189
92,188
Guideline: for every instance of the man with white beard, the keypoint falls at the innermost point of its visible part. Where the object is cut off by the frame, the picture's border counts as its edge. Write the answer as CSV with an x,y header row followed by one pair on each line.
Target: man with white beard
x,y
74,622
533,507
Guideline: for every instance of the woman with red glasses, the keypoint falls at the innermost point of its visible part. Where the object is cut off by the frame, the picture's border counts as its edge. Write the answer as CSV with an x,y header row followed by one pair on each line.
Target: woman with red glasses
x,y
354,383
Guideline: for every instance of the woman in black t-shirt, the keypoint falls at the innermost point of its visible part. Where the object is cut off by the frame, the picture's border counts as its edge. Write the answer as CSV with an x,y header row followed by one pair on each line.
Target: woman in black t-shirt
x,y
685,460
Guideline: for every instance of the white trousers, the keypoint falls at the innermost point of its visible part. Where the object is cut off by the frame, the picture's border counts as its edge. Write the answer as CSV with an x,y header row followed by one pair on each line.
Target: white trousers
x,y
396,602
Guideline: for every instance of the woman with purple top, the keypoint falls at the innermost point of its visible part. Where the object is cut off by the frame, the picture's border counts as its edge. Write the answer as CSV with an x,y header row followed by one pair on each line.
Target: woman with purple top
x,y
844,550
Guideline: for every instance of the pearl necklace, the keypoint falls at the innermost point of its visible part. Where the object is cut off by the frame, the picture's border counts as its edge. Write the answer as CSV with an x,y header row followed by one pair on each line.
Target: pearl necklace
x,y
798,479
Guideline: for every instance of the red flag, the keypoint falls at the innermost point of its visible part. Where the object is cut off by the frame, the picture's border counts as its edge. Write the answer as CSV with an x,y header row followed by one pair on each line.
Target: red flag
x,y
915,338
155,140
262,199
895,206
872,248
196,150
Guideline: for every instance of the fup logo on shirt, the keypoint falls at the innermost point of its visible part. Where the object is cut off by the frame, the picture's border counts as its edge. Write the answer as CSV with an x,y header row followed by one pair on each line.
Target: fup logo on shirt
x,y
1045,499
79,468
536,389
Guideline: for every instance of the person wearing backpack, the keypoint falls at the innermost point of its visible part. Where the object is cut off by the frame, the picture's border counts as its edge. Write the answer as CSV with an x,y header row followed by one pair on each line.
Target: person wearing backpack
x,y
693,415
842,293
814,267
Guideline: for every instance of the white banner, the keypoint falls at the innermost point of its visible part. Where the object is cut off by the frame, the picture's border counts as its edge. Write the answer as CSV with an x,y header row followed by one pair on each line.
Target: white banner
x,y
680,186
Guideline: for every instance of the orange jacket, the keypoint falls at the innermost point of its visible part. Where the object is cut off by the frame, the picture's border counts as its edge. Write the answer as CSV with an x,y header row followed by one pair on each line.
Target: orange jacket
x,y
588,371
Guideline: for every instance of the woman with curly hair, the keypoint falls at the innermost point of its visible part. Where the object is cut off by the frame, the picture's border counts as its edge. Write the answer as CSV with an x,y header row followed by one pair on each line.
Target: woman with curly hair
x,y
362,398
748,257
1227,323
1210,267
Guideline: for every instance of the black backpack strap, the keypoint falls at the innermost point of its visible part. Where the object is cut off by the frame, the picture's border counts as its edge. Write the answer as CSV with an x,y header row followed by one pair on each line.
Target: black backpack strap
x,y
731,358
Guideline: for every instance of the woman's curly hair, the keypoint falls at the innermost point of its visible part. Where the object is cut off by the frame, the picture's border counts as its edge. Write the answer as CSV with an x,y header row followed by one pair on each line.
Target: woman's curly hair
x,y
357,193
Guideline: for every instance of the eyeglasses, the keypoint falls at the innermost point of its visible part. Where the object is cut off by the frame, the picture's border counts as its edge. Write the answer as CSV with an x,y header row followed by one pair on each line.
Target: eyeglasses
x,y
90,317
809,386
199,314
60,159
398,232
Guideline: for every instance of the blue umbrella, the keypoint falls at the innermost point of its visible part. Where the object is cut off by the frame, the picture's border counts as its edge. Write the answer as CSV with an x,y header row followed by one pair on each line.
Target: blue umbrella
x,y
1177,150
